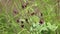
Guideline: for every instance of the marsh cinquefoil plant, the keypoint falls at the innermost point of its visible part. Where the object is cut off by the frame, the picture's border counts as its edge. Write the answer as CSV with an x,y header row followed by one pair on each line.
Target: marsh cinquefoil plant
x,y
45,28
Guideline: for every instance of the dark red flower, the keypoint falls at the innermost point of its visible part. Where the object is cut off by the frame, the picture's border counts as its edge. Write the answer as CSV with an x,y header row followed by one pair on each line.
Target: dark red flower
x,y
15,11
41,21
24,5
22,22
41,14
17,20
26,20
22,26
32,13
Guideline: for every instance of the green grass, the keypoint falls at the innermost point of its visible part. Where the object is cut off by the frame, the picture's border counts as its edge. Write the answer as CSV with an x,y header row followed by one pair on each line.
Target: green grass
x,y
8,19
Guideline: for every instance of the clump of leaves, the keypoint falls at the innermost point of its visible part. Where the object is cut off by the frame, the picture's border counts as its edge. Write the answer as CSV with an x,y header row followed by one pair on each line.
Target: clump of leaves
x,y
42,28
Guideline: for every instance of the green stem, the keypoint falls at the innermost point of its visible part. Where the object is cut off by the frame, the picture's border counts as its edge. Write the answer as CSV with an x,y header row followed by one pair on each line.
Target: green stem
x,y
21,31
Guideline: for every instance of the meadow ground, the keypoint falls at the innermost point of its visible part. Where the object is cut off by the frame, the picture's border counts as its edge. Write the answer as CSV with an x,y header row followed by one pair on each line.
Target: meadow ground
x,y
17,16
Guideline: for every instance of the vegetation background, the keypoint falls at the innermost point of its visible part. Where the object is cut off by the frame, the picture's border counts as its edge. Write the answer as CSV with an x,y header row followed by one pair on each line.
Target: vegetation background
x,y
12,12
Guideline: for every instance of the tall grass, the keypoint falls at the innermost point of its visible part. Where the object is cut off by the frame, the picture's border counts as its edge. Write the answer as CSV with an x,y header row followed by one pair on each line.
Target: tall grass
x,y
12,10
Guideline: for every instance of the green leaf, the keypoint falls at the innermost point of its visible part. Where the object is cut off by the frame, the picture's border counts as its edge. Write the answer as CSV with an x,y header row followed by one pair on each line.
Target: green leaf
x,y
52,27
34,19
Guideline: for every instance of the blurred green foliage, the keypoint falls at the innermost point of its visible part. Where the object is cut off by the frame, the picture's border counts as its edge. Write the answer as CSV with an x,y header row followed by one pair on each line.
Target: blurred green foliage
x,y
11,10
